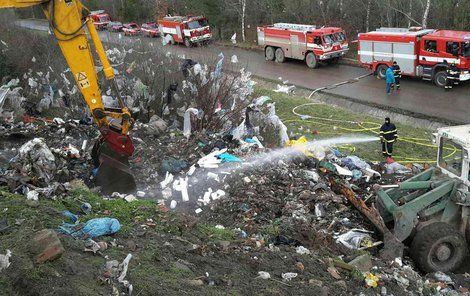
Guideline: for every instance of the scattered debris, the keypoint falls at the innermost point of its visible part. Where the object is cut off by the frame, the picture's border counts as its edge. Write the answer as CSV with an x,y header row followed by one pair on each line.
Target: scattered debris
x,y
302,250
289,275
5,260
263,275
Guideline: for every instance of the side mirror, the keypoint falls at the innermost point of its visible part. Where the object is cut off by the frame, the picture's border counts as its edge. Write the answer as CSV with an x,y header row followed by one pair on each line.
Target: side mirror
x,y
434,138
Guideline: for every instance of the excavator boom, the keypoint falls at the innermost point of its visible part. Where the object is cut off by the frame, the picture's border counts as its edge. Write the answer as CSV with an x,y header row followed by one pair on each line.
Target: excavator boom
x,y
68,24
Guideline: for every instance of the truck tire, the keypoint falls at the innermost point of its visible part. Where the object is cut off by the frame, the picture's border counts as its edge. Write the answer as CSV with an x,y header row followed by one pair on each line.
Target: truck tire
x,y
269,53
381,70
280,58
311,60
438,247
440,79
187,42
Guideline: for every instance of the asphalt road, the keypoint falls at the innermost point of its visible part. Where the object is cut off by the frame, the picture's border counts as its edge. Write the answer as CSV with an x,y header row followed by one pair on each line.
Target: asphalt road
x,y
416,96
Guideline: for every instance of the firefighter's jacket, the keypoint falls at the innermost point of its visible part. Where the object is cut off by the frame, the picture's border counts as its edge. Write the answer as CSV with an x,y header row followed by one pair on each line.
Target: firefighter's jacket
x,y
453,73
396,71
388,132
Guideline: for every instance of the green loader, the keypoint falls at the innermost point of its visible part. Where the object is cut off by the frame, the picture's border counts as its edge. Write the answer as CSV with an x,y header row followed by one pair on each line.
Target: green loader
x,y
430,212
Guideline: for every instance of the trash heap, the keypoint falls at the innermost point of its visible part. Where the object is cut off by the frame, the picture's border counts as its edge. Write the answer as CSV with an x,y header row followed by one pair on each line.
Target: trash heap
x,y
227,172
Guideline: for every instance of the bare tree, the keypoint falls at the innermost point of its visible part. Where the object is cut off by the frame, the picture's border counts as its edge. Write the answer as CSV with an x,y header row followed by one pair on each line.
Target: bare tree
x,y
426,13
368,15
410,10
239,6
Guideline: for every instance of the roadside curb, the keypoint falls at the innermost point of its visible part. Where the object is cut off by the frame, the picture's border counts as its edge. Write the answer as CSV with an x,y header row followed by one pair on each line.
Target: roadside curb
x,y
373,109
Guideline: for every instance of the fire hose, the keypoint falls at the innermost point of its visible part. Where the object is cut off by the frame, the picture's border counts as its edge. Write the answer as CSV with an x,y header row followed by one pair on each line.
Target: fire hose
x,y
365,126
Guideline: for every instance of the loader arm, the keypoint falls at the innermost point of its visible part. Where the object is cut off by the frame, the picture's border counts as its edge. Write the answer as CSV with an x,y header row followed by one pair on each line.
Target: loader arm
x,y
68,23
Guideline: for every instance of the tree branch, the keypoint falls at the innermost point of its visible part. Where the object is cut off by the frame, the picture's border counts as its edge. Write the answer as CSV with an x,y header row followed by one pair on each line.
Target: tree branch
x,y
406,15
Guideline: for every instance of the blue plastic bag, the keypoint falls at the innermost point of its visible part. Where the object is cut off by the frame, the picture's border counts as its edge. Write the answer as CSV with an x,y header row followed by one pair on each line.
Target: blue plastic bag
x,y
92,228
227,157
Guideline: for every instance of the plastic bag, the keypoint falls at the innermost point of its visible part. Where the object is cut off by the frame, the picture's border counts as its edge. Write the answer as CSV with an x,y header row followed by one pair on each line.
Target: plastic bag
x,y
300,144
396,168
187,121
92,228
227,157
355,238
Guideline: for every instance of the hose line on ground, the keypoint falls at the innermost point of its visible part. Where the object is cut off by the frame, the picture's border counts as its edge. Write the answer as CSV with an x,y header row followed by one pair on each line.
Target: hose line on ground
x,y
366,126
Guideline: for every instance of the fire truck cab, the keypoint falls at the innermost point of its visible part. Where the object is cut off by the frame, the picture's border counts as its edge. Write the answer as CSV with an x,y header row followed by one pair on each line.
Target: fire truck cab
x,y
424,53
302,42
100,19
189,30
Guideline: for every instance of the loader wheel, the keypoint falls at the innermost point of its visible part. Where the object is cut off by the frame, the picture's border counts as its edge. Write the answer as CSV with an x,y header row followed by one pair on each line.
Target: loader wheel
x,y
280,58
440,79
381,70
311,60
269,53
438,247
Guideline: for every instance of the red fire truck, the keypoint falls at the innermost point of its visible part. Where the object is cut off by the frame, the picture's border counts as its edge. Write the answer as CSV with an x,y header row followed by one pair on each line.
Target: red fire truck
x,y
302,42
419,52
100,19
189,30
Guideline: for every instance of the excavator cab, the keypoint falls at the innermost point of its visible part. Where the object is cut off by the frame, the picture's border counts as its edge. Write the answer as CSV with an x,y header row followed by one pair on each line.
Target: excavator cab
x,y
431,211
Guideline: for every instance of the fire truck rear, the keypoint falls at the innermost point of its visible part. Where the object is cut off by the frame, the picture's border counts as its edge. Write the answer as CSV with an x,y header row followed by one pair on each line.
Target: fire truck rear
x,y
188,30
419,52
302,42
100,19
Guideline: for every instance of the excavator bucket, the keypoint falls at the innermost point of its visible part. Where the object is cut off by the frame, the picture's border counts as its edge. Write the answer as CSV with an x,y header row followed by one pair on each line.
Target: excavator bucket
x,y
114,174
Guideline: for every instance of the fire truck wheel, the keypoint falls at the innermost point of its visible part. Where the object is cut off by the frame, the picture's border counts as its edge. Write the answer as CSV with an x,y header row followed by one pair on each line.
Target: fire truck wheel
x,y
438,247
311,60
440,78
187,42
381,70
280,58
269,53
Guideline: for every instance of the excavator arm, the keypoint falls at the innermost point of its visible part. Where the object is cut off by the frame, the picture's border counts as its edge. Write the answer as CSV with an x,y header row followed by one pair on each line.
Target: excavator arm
x,y
67,21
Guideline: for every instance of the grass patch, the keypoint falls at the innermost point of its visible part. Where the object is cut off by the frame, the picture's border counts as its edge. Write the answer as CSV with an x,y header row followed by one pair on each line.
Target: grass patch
x,y
414,144
128,213
216,233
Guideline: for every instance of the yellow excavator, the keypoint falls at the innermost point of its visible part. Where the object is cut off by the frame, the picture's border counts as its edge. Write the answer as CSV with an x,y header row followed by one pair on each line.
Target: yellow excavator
x,y
68,20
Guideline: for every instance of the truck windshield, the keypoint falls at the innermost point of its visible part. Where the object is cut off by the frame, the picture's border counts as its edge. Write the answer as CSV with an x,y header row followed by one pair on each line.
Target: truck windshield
x,y
450,156
466,49
328,39
340,37
197,24
104,18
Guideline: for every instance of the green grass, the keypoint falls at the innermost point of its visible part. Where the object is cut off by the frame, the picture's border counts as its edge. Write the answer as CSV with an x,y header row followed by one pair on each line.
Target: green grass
x,y
328,122
216,233
128,213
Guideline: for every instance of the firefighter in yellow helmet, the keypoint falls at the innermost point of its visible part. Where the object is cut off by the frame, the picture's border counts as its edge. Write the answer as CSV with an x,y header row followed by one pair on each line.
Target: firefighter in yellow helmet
x,y
388,136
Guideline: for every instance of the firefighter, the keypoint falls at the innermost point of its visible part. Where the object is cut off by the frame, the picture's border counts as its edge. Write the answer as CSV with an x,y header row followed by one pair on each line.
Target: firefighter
x,y
390,79
396,74
452,76
388,136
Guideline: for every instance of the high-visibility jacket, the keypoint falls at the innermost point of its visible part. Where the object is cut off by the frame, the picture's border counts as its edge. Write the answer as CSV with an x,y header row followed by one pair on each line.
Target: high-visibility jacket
x,y
388,132
396,71
453,73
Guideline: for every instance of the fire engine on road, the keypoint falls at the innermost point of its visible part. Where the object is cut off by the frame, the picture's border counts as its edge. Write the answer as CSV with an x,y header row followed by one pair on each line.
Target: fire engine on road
x,y
419,52
100,19
302,42
189,30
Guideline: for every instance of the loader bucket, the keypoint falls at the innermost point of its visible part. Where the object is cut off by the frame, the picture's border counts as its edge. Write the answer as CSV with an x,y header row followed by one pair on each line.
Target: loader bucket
x,y
114,174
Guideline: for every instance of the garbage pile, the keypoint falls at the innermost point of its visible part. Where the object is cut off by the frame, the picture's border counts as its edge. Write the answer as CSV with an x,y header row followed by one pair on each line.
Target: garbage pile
x,y
219,163
43,167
